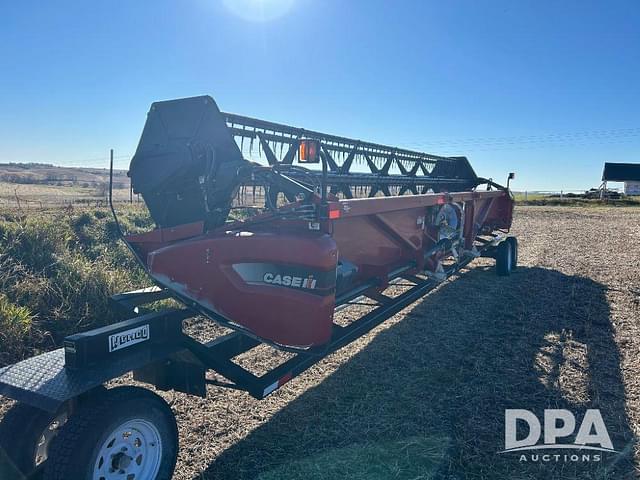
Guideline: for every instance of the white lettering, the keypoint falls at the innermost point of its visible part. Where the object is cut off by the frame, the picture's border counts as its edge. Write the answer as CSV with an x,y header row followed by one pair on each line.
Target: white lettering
x,y
551,429
289,280
127,338
511,417
593,418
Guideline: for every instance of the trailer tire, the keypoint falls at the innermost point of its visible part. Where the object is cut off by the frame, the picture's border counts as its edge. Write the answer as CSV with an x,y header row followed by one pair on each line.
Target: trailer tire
x,y
25,435
504,258
129,431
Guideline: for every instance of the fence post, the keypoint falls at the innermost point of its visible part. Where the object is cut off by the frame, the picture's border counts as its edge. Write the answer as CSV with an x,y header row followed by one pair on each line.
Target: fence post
x,y
15,192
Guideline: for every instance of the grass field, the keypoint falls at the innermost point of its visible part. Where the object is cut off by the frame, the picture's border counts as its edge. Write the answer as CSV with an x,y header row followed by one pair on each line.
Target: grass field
x,y
423,395
34,186
545,199
34,197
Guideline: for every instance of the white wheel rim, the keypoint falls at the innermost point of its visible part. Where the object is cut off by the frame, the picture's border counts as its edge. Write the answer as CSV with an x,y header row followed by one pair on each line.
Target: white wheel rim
x,y
133,451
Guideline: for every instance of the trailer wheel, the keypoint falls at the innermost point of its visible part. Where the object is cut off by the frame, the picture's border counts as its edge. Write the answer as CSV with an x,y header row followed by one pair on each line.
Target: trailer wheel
x,y
25,437
129,433
504,258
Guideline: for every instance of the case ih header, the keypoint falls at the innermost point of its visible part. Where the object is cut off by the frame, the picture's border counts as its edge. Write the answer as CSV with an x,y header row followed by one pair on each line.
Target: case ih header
x,y
277,277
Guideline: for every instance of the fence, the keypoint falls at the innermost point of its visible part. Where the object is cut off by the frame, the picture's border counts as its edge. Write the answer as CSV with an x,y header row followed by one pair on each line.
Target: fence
x,y
247,195
566,195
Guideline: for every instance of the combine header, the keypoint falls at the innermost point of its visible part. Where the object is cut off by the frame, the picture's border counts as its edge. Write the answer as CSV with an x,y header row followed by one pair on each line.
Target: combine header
x,y
345,224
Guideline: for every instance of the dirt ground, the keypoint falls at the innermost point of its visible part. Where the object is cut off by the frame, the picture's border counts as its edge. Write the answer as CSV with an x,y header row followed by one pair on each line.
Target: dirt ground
x,y
423,395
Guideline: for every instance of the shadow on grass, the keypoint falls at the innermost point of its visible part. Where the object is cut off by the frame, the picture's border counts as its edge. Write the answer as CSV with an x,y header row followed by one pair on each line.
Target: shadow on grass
x,y
426,397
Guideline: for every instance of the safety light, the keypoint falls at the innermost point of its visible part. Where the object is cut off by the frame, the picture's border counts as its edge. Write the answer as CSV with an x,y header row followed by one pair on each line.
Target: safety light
x,y
309,151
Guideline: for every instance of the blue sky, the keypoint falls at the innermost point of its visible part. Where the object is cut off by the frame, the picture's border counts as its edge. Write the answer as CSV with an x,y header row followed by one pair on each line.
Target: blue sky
x,y
549,89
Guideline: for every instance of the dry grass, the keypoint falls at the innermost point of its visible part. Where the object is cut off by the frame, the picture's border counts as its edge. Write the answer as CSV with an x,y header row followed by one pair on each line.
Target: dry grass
x,y
423,395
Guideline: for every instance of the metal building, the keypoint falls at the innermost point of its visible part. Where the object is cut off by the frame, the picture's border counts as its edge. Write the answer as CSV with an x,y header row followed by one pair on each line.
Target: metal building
x,y
629,173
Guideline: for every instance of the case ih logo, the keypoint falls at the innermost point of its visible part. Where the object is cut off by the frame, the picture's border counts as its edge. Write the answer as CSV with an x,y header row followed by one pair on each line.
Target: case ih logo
x,y
290,280
127,338
592,435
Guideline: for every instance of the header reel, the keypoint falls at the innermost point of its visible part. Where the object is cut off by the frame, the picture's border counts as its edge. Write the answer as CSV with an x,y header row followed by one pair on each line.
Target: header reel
x,y
192,159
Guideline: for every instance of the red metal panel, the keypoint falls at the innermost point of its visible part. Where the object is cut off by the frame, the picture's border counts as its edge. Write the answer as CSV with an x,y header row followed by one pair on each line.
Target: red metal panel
x,y
203,271
368,206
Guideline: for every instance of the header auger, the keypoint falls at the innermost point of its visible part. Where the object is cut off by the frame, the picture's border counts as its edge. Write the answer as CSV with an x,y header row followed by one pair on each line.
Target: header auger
x,y
338,238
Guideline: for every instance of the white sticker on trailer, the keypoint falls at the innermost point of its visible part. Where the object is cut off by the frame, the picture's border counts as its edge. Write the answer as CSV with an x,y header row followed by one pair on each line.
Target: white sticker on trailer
x,y
127,338
270,389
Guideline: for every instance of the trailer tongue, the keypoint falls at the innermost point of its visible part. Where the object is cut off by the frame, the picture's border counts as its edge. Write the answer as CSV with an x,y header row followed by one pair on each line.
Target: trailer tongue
x,y
330,236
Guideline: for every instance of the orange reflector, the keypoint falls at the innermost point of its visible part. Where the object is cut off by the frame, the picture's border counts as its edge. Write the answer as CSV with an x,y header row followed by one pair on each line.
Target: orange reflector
x,y
308,151
333,214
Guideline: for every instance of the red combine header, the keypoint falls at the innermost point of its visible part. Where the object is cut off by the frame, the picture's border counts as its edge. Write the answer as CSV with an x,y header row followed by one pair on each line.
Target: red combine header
x,y
279,275
344,223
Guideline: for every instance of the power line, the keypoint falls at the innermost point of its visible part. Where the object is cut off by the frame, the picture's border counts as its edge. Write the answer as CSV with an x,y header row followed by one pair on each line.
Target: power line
x,y
536,141
456,145
103,162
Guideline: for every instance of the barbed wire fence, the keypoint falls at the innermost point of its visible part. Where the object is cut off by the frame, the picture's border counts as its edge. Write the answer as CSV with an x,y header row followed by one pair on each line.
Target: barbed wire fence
x,y
247,196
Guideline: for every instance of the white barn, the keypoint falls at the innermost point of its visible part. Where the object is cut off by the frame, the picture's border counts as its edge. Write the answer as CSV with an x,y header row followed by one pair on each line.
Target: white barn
x,y
632,188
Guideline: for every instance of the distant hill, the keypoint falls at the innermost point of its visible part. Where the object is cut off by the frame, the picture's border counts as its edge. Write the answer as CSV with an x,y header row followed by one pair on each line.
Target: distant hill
x,y
44,174
37,185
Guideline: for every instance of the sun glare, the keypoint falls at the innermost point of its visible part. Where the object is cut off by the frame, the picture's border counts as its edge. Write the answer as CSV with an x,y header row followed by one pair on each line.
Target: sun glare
x,y
259,10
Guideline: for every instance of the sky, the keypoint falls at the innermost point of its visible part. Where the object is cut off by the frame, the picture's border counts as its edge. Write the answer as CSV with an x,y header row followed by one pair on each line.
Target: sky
x,y
547,89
